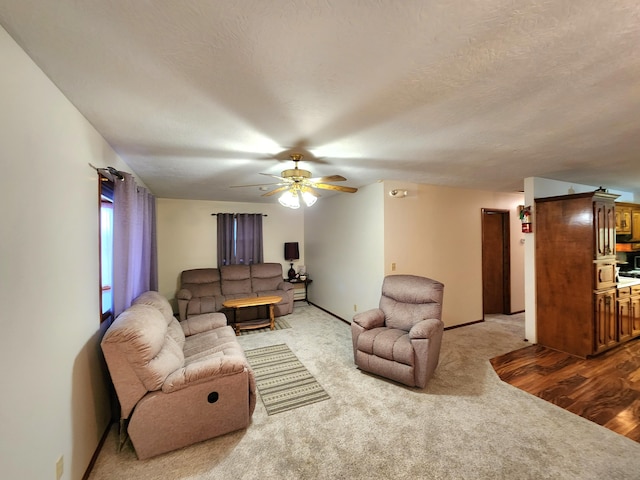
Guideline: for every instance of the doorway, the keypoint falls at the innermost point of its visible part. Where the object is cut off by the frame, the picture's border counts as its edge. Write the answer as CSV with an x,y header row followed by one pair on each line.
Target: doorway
x,y
496,262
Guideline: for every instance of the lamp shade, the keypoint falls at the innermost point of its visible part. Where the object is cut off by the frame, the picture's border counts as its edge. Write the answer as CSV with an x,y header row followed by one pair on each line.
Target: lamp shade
x,y
291,251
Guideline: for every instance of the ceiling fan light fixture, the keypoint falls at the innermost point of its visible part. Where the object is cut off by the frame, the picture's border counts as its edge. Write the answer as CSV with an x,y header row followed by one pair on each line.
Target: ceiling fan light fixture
x,y
289,199
308,197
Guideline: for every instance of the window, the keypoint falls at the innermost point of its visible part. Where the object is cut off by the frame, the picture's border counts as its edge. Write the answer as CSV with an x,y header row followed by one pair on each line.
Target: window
x,y
106,248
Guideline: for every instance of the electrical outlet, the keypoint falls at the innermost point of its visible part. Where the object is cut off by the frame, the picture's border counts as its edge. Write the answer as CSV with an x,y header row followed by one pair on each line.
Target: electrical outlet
x,y
393,267
355,307
60,467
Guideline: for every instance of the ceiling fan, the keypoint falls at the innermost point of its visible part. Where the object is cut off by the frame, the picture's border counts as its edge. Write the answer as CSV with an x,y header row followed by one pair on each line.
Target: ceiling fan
x,y
296,182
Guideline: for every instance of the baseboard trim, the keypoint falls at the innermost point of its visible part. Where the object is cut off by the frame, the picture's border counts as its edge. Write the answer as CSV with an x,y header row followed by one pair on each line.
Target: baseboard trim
x,y
464,324
92,462
349,323
330,313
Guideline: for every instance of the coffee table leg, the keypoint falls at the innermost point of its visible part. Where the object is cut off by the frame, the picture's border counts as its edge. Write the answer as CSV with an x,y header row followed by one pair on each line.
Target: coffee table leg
x,y
272,316
236,327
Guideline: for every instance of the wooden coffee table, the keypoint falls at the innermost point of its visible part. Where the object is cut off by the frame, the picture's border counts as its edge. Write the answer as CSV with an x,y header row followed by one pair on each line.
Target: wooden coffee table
x,y
238,303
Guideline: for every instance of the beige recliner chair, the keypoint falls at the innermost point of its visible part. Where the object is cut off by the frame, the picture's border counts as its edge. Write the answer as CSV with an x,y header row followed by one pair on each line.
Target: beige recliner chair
x,y
401,339
178,383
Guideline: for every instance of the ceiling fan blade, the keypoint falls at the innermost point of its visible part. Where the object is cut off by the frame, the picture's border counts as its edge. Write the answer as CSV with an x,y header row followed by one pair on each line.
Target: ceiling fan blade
x,y
258,185
277,190
339,188
330,178
276,176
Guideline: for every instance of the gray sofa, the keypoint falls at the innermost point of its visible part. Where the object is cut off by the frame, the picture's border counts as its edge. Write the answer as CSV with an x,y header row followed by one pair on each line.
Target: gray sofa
x,y
203,290
178,383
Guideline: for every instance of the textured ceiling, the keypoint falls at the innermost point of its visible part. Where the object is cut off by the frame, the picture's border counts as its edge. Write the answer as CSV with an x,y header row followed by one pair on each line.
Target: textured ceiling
x,y
200,95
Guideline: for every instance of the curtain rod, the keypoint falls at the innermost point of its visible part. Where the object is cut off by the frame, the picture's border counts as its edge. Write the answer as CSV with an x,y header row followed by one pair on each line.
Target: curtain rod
x,y
109,171
236,214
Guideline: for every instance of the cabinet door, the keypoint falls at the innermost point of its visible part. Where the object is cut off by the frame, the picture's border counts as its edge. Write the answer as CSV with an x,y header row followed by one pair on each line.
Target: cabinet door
x,y
606,331
634,315
604,229
623,220
635,225
624,319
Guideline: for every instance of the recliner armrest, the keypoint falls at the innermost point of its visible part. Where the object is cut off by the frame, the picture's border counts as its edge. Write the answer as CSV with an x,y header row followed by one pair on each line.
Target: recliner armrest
x,y
204,370
184,294
426,328
370,319
203,323
286,286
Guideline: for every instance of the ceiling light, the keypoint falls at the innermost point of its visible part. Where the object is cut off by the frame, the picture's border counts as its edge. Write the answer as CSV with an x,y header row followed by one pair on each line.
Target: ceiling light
x,y
289,199
308,197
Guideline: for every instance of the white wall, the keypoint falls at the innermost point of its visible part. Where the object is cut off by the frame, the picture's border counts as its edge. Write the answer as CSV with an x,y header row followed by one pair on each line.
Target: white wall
x,y
535,187
437,232
187,236
344,250
54,401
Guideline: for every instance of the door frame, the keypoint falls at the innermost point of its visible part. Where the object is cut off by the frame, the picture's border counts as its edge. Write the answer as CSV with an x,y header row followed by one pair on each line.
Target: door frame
x,y
506,257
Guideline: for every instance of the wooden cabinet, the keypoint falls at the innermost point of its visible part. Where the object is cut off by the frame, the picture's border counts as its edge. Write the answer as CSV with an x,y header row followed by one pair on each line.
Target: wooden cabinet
x,y
604,228
623,314
634,313
606,328
623,219
635,224
575,272
628,221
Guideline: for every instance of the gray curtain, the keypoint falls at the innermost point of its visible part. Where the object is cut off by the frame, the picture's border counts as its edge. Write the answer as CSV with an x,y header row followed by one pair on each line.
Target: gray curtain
x,y
249,238
239,238
226,238
135,256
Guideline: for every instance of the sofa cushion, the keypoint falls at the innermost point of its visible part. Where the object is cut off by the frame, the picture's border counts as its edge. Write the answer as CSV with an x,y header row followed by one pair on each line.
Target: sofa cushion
x,y
388,343
266,276
236,279
201,282
141,334
410,299
159,302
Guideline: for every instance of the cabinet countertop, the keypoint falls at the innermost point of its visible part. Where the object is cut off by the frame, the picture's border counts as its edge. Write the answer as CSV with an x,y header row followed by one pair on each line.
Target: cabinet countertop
x,y
628,282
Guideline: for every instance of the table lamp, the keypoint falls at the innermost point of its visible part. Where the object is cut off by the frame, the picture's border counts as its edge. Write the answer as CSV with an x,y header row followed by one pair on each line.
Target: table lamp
x,y
291,253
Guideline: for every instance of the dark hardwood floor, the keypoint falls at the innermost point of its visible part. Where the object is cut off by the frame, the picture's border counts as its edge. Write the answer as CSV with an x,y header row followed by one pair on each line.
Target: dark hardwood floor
x,y
604,389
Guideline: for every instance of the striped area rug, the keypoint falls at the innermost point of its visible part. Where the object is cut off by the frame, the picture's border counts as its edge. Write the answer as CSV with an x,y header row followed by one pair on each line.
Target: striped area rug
x,y
283,382
279,324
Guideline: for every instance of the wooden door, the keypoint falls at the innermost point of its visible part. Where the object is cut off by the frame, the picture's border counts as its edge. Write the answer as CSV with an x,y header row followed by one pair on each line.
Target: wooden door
x,y
496,264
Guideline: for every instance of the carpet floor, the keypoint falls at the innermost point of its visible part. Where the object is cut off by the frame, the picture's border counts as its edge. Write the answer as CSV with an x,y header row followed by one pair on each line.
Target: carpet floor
x,y
466,424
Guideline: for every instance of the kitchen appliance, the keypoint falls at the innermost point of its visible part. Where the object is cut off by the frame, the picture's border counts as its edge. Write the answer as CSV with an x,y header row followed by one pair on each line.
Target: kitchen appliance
x,y
635,273
631,274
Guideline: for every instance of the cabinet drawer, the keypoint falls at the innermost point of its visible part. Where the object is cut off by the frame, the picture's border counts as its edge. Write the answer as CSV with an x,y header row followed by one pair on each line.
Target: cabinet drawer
x,y
635,290
605,275
623,292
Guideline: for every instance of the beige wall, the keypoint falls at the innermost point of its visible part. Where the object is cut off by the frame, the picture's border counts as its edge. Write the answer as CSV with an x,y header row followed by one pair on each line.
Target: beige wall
x,y
351,241
344,240
187,236
437,232
54,401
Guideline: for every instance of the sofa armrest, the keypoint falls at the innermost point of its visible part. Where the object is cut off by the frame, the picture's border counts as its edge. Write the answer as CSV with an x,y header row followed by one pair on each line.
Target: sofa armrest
x,y
203,323
370,319
204,370
184,294
426,328
286,286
